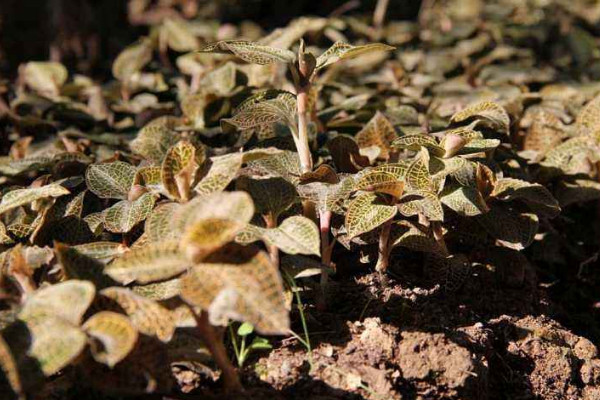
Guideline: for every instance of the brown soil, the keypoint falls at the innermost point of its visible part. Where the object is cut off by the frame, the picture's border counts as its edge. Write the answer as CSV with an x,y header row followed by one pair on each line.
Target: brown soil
x,y
491,339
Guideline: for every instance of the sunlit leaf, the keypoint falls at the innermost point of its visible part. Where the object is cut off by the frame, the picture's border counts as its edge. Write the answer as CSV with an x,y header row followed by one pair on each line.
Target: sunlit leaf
x,y
149,317
250,290
377,132
153,141
535,195
207,235
179,169
342,51
20,197
251,52
110,181
132,60
464,200
271,196
381,182
116,334
489,112
366,212
124,215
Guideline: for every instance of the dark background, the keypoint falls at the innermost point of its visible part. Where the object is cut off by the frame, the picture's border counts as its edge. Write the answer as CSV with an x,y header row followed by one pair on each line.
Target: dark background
x,y
29,27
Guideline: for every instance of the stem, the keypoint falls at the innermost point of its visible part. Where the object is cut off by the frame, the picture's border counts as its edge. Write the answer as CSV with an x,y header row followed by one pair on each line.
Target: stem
x,y
234,343
326,249
383,258
214,342
271,222
379,13
306,341
302,143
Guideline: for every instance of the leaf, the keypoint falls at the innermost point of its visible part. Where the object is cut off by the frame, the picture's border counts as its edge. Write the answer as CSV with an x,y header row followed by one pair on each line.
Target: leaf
x,y
588,120
489,112
153,141
77,265
381,182
251,52
377,132
295,235
422,202
415,142
159,224
328,197
179,35
479,146
250,290
116,335
264,109
67,300
221,171
103,251
179,169
510,227
323,173
452,271
45,77
220,81
271,196
20,197
110,181
124,215
411,236
464,200
207,235
342,51
150,263
578,191
417,175
160,290
366,212
533,194
245,329
285,165
149,317
132,60
572,156
56,342
346,154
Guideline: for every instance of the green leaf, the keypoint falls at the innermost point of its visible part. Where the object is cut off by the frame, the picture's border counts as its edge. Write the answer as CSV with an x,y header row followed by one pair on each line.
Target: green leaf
x,y
418,177
379,132
285,165
380,182
251,52
110,181
464,200
245,329
271,196
342,51
415,142
221,171
149,263
295,235
124,215
179,170
422,202
326,196
488,112
56,342
116,336
207,235
21,197
248,290
264,109
149,317
535,195
367,212
67,300
103,251
153,141
131,60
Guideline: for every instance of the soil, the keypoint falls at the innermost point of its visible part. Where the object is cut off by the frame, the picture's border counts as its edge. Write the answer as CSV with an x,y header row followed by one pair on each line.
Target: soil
x,y
493,338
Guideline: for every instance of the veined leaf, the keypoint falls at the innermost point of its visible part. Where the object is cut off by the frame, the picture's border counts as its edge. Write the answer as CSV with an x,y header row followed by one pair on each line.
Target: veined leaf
x,y
410,236
56,342
342,51
588,119
67,300
160,290
422,202
20,197
285,165
346,154
510,227
149,317
326,196
295,235
381,182
150,263
124,215
207,235
103,251
535,195
221,171
366,212
79,266
179,170
132,60
251,52
379,132
271,196
415,142
452,271
116,334
464,200
159,224
250,290
417,174
153,141
490,112
110,181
